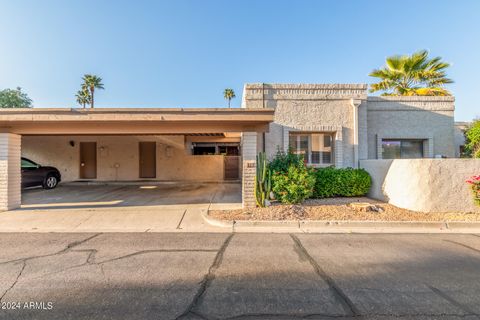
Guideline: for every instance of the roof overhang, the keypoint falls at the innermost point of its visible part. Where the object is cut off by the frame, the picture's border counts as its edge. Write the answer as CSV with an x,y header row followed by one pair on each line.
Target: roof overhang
x,y
40,121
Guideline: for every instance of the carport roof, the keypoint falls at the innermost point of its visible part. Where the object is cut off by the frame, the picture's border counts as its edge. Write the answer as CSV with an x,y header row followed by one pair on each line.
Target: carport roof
x,y
56,121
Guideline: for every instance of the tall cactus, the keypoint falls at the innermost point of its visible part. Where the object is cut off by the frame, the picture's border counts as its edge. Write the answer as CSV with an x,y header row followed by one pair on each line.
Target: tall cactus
x,y
263,181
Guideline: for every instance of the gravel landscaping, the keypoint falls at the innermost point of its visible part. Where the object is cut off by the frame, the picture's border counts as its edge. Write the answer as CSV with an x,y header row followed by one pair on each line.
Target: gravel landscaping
x,y
338,209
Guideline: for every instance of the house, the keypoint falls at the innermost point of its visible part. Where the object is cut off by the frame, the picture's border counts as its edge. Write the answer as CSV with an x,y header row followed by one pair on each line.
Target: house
x,y
459,136
330,124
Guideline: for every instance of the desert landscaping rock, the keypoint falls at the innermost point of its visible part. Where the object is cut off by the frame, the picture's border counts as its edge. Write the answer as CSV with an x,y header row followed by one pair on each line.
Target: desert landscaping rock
x,y
339,209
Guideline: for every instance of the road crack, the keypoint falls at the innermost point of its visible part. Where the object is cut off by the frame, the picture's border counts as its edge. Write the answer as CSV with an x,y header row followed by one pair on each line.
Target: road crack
x,y
340,296
69,247
207,281
15,282
452,301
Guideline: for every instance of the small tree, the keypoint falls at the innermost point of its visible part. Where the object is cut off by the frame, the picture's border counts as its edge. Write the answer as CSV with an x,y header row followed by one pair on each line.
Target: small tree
x,y
83,97
472,140
92,82
10,98
228,94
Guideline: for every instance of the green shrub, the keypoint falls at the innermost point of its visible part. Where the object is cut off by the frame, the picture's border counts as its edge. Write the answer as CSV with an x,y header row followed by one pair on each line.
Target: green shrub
x,y
341,182
282,161
293,186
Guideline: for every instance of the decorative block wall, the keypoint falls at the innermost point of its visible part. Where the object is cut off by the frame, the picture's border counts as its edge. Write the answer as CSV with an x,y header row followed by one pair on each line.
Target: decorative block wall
x,y
249,168
10,172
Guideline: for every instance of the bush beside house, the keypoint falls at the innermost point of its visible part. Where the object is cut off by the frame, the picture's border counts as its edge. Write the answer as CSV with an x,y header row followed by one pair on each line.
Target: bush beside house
x,y
293,181
341,182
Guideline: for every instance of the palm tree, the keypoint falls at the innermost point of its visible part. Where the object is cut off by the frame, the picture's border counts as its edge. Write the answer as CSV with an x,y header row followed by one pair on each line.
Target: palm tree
x,y
92,82
229,94
414,75
83,97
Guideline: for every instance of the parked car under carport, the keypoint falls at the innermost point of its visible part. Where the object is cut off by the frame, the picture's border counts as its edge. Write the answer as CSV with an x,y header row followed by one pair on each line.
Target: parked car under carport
x,y
34,175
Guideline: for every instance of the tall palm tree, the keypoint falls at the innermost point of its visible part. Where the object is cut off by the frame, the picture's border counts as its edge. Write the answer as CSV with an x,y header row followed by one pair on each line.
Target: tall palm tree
x,y
92,82
229,94
414,75
83,97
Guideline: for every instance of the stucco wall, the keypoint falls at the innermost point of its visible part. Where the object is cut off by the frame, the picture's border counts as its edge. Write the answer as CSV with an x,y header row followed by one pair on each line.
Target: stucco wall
x,y
429,118
117,157
311,107
429,185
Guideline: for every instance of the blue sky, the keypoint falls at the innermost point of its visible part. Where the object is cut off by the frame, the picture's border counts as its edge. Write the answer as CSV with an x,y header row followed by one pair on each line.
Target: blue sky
x,y
184,53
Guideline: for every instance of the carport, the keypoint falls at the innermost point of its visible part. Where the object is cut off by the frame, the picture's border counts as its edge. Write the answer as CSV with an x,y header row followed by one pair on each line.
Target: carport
x,y
132,131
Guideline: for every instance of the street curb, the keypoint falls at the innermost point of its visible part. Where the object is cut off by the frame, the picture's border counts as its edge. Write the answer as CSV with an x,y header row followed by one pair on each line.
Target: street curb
x,y
346,226
216,222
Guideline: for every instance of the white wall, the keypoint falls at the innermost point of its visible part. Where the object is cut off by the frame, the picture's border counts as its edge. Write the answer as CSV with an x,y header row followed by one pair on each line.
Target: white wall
x,y
117,157
428,185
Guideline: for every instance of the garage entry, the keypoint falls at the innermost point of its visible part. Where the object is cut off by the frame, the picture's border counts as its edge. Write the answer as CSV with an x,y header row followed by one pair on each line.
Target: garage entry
x,y
125,146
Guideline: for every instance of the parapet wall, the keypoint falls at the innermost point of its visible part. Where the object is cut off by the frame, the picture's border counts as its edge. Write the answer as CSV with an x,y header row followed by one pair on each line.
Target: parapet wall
x,y
427,185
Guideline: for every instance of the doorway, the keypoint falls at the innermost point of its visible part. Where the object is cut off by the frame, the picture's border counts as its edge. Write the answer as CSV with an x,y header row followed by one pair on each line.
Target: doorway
x,y
147,159
88,160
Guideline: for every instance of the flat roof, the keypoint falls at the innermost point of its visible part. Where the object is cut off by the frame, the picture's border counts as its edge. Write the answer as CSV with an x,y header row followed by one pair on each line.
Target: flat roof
x,y
133,120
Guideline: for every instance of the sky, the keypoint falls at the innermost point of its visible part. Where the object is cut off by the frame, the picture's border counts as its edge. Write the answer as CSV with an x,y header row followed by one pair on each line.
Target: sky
x,y
184,53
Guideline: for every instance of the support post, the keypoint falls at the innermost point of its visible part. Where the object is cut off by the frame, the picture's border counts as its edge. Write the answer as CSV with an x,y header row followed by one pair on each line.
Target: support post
x,y
10,171
249,168
355,104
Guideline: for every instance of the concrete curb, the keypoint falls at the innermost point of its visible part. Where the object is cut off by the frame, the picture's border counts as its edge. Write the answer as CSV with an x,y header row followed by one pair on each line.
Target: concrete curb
x,y
216,222
345,226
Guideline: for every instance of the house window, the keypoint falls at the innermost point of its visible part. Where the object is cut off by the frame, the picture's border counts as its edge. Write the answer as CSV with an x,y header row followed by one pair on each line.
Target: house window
x,y
316,148
402,149
215,148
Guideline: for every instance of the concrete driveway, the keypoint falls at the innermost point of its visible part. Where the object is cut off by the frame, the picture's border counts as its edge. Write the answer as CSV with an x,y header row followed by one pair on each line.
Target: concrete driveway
x,y
80,207
240,276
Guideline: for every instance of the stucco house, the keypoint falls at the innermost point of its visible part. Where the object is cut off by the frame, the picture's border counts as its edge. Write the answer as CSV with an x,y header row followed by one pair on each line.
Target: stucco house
x,y
330,124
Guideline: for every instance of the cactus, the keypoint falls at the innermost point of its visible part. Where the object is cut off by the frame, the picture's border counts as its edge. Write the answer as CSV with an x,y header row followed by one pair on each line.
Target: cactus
x,y
263,180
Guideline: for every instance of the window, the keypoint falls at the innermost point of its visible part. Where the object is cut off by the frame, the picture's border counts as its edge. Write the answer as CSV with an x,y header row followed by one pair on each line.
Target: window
x,y
215,148
28,164
316,148
402,149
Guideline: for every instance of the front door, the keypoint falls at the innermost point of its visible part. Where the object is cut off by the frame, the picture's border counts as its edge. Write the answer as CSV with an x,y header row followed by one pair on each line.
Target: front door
x,y
88,160
148,159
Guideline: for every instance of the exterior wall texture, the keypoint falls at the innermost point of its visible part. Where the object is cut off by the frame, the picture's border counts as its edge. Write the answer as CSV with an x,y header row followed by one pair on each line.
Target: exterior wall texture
x,y
311,107
118,157
428,118
10,174
459,136
249,168
428,185
358,132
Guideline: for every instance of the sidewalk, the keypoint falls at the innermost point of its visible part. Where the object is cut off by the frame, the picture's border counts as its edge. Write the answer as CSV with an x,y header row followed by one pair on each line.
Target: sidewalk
x,y
194,218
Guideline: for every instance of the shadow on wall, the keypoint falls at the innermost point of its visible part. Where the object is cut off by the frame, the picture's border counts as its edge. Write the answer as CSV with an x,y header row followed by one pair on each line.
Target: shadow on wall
x,y
428,118
427,185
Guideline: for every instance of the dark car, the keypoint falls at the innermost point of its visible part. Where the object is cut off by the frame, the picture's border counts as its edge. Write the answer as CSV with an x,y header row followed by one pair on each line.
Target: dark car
x,y
34,175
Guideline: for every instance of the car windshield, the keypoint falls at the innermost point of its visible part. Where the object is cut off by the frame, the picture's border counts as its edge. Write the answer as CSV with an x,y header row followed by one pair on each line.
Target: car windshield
x,y
28,164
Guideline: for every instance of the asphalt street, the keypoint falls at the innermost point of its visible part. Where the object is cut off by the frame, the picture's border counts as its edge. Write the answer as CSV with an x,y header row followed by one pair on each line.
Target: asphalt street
x,y
239,276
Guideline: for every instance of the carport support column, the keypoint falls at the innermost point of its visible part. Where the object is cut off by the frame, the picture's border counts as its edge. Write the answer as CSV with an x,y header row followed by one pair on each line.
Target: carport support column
x,y
10,172
249,168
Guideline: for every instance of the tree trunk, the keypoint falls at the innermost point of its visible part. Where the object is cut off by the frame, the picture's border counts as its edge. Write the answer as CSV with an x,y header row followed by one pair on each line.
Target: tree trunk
x,y
229,102
92,89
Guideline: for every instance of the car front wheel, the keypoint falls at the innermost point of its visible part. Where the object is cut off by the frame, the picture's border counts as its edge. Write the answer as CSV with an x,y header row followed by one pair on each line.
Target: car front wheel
x,y
50,182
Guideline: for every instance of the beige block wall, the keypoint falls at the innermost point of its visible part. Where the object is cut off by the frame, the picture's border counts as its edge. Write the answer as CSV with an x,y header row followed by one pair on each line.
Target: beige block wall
x,y
249,168
428,185
10,174
117,157
311,107
429,118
